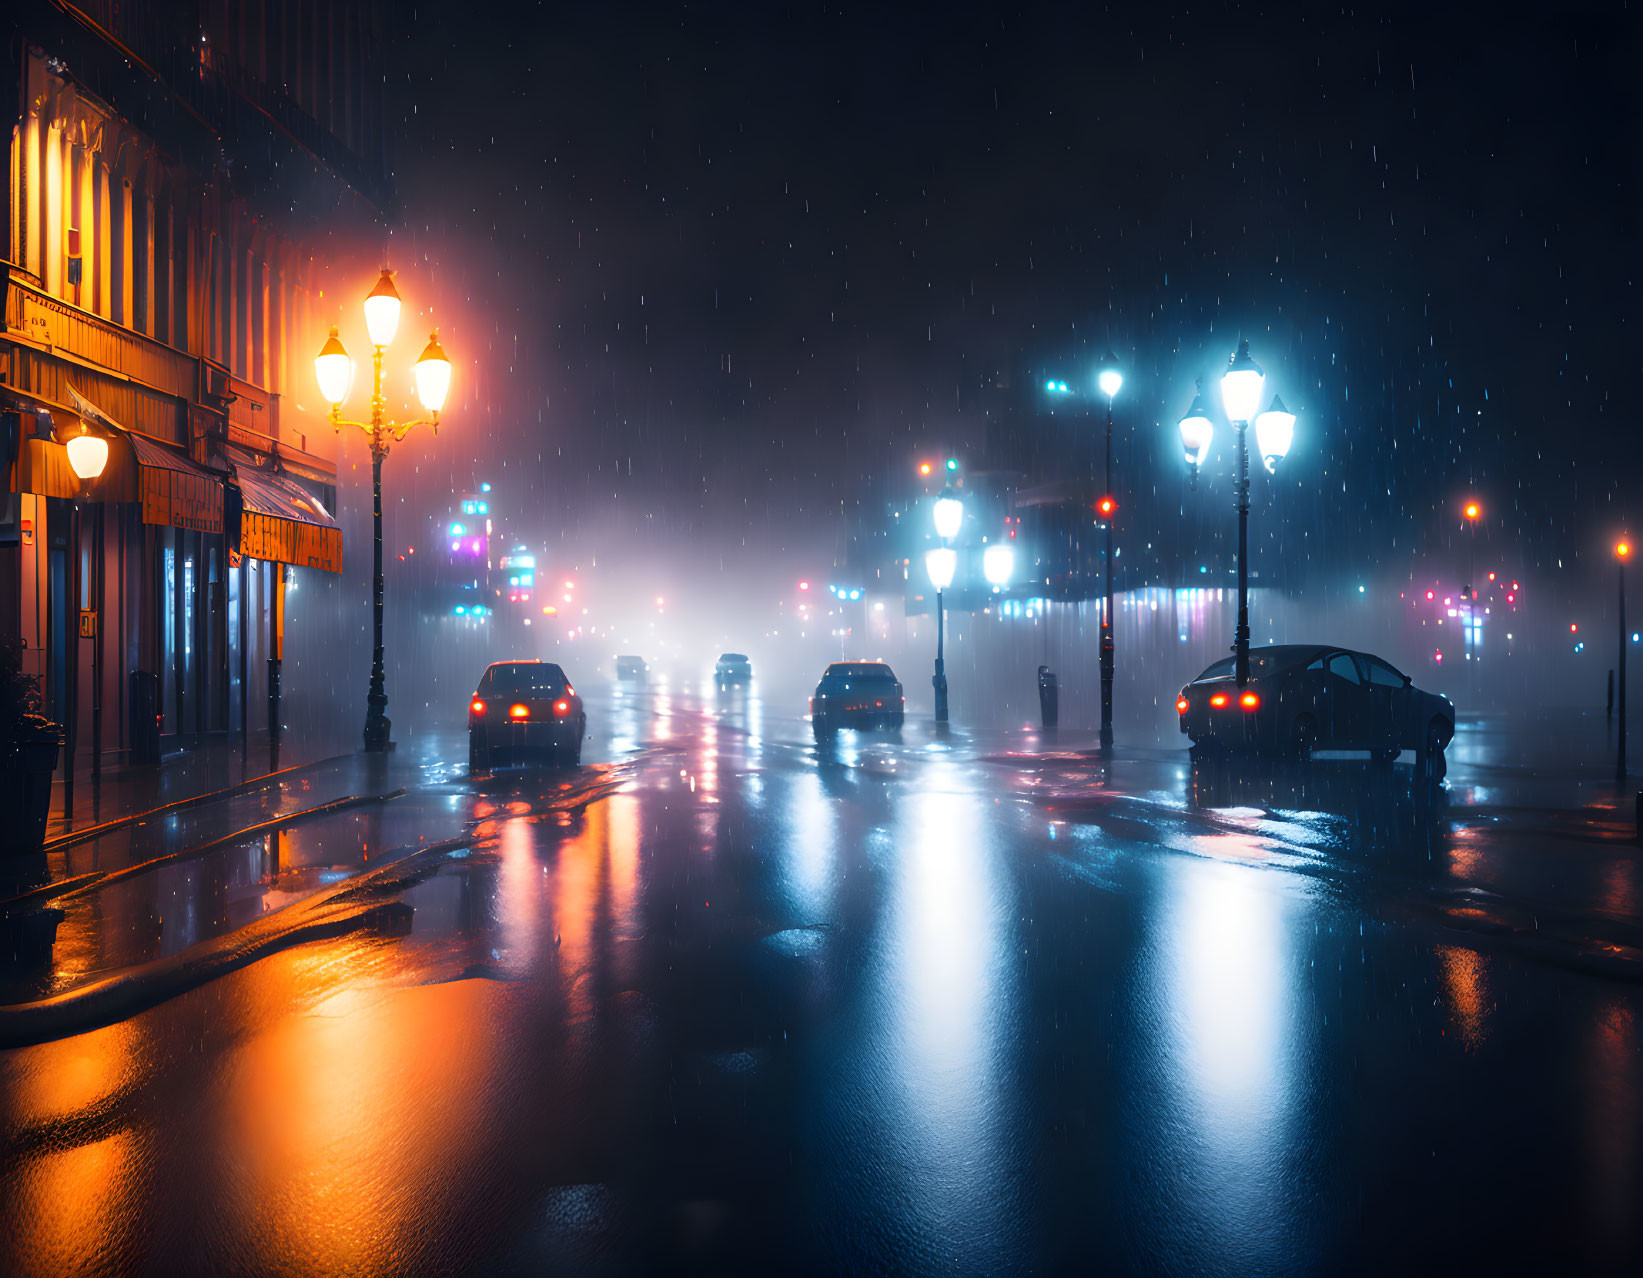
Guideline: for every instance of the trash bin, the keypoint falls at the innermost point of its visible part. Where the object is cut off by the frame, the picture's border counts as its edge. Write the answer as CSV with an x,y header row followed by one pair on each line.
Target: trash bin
x,y
145,717
1049,697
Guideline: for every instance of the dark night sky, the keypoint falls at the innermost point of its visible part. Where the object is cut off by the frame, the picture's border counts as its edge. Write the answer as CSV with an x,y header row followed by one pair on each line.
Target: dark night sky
x,y
726,264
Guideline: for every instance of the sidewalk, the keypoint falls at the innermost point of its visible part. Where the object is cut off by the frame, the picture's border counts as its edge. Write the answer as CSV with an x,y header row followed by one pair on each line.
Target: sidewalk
x,y
219,763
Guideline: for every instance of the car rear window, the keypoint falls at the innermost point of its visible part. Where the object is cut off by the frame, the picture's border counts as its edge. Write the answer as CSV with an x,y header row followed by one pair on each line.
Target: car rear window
x,y
1262,661
860,670
732,659
525,678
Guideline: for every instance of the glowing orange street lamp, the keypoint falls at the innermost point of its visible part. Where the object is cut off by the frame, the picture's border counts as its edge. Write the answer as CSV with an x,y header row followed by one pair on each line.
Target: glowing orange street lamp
x,y
1473,511
334,371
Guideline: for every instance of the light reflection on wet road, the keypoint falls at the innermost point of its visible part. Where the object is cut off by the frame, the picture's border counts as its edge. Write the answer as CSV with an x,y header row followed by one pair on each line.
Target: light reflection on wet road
x,y
922,1004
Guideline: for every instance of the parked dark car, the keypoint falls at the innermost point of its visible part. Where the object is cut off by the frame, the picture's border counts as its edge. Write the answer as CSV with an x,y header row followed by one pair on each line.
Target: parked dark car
x,y
1306,697
857,694
631,669
732,670
523,708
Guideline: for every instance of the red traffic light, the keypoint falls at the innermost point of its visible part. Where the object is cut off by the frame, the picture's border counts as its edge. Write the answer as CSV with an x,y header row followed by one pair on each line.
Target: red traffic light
x,y
924,468
1106,506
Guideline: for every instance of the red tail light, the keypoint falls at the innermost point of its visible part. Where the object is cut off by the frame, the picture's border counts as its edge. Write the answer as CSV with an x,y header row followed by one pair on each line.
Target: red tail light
x,y
1180,705
1219,700
519,710
1250,701
561,708
476,707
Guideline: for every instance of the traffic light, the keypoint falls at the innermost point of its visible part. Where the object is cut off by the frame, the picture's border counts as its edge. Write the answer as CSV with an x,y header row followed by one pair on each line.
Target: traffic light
x,y
1106,507
952,464
924,468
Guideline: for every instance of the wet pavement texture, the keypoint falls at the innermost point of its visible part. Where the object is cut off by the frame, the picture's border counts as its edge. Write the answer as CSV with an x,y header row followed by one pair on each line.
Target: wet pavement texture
x,y
722,1000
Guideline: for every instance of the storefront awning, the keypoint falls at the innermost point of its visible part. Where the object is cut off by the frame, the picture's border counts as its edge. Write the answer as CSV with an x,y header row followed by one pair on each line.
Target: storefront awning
x,y
175,490
282,522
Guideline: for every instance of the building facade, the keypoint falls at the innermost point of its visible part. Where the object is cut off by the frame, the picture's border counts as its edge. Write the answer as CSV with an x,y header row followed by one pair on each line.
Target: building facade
x,y
178,173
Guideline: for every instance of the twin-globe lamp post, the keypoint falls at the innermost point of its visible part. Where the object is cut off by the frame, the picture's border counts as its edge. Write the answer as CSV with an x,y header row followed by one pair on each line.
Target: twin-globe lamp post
x,y
941,562
334,370
1241,389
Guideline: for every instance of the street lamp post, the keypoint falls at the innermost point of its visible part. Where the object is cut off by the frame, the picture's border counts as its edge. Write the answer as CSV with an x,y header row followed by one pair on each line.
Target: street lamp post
x,y
334,371
1241,387
1622,552
941,562
87,457
1109,378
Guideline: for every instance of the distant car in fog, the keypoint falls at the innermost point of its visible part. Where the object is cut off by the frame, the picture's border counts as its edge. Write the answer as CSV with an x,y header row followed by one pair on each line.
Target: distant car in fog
x,y
522,708
732,670
631,669
857,694
1306,697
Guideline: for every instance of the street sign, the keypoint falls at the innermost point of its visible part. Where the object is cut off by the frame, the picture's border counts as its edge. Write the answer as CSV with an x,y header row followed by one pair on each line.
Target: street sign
x,y
88,623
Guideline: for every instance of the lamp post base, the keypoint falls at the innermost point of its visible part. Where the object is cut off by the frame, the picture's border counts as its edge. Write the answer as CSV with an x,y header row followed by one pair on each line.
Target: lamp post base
x,y
939,682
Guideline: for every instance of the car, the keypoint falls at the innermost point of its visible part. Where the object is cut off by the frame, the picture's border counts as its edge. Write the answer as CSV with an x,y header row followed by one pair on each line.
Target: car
x,y
733,669
525,707
857,694
631,669
1306,697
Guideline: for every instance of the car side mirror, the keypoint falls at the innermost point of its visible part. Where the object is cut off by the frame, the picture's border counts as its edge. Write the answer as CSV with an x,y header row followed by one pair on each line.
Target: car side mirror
x,y
1408,682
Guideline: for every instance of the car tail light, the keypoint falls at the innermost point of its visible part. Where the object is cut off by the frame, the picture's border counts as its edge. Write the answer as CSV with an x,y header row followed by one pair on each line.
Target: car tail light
x,y
476,707
561,708
1250,701
1219,700
519,710
1181,704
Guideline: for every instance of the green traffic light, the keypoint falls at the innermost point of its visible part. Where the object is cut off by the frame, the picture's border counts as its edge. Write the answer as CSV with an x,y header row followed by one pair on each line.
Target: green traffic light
x,y
952,463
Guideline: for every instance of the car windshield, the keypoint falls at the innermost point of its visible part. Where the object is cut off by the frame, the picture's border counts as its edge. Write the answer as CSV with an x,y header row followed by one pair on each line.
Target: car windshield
x,y
524,678
860,670
1262,661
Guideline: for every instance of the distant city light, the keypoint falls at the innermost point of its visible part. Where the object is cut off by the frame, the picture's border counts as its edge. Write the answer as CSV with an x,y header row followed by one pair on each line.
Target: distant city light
x,y
1360,590
484,488
457,530
1473,510
924,468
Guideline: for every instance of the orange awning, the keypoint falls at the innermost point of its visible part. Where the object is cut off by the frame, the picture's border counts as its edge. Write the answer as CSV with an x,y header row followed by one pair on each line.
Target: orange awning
x,y
282,522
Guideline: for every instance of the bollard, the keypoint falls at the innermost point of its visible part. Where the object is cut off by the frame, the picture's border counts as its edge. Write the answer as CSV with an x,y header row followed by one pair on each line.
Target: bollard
x,y
1049,697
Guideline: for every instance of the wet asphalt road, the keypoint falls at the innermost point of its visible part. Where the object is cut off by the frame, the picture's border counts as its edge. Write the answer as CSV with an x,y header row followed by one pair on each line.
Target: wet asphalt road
x,y
718,1002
